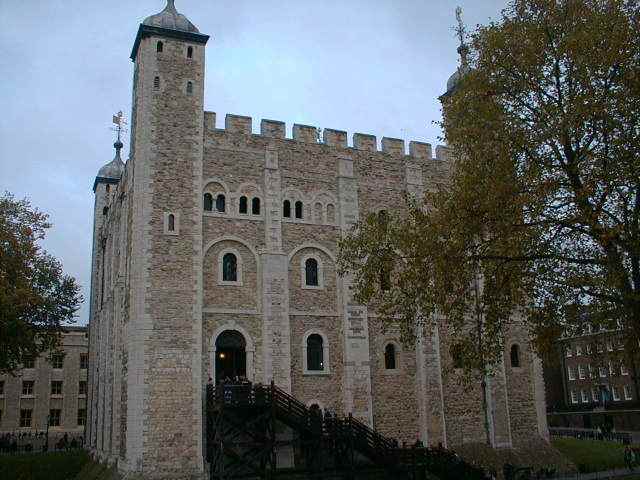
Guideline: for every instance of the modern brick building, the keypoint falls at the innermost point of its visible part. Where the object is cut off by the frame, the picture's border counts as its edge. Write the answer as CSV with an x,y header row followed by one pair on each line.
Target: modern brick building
x,y
49,391
215,256
592,381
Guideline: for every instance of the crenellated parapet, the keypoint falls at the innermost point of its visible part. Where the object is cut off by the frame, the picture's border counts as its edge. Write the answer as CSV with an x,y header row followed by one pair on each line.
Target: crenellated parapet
x,y
238,124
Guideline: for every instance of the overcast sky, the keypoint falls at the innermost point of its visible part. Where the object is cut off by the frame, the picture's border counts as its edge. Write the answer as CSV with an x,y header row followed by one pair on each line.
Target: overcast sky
x,y
370,66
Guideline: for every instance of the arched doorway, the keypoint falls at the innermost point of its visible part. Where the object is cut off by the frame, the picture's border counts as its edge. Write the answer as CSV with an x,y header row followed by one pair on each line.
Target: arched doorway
x,y
231,356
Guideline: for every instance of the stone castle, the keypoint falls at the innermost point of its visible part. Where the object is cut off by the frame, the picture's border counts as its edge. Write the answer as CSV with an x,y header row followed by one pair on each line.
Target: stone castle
x,y
215,256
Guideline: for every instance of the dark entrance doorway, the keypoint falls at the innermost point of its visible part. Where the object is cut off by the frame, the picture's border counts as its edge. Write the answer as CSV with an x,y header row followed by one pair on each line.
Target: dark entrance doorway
x,y
231,357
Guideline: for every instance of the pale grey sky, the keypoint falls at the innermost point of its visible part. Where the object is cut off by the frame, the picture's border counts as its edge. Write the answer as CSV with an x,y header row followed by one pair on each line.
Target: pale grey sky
x,y
373,66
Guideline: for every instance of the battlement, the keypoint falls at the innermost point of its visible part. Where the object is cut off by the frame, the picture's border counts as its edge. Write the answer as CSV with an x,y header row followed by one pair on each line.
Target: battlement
x,y
240,124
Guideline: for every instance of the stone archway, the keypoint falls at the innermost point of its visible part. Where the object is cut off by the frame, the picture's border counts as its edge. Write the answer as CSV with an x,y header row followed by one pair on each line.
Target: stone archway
x,y
247,341
230,355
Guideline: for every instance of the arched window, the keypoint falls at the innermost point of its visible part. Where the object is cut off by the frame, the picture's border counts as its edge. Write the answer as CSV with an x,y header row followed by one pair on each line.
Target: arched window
x,y
315,352
156,83
159,47
286,209
311,272
255,206
189,88
243,205
220,203
515,356
105,210
318,212
208,202
229,268
390,357
171,222
331,213
298,207
190,52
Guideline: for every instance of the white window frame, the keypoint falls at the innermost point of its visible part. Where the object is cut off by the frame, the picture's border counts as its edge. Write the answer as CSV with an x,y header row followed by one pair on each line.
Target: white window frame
x,y
581,372
326,360
226,283
585,396
571,373
602,371
303,272
609,346
610,369
627,393
588,349
578,350
591,375
569,352
623,370
574,397
595,395
615,394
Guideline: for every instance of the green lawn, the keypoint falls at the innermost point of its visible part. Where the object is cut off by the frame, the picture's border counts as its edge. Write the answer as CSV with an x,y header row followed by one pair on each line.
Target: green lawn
x,y
591,455
49,466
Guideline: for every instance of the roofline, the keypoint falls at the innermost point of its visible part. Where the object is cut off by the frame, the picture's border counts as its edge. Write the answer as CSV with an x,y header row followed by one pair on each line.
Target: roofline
x,y
148,30
98,180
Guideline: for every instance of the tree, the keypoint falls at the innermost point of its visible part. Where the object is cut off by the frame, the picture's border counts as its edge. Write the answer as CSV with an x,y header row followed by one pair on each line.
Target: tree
x,y
36,298
540,218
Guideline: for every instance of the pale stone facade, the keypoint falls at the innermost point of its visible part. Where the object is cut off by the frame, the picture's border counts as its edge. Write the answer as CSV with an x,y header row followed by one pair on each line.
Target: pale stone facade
x,y
160,299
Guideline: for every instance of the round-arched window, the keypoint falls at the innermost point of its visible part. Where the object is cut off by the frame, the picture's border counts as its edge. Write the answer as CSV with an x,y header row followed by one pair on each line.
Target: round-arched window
x,y
208,202
229,268
311,272
390,357
315,353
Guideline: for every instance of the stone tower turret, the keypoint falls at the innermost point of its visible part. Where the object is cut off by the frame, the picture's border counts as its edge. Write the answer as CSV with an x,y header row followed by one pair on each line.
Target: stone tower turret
x,y
164,344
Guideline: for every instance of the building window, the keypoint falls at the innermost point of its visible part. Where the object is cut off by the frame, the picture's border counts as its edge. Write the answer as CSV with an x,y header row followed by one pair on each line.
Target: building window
x,y
56,387
515,356
603,372
591,373
572,375
190,52
208,202
221,203
82,387
615,393
610,369
28,362
54,417
627,393
229,268
298,208
159,47
585,396
25,417
594,395
574,397
609,346
286,209
82,417
390,357
581,373
569,353
315,353
331,213
578,350
599,347
171,222
84,361
311,272
27,387
589,349
156,83
623,370
189,88
1,387
255,206
244,205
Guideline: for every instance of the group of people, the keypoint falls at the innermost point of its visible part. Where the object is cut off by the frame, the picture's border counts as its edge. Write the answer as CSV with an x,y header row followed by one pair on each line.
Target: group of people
x,y
27,442
631,457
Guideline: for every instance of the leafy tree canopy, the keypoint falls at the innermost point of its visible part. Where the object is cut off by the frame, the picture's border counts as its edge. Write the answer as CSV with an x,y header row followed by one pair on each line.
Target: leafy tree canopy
x,y
540,220
36,298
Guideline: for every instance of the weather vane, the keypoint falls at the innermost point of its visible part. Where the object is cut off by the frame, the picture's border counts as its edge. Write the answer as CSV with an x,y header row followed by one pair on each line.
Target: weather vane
x,y
119,121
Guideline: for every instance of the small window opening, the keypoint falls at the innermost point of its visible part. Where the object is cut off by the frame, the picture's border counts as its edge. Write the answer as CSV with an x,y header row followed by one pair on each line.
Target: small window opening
x,y
105,210
515,356
220,203
315,354
286,209
255,206
390,357
229,268
156,83
159,47
108,188
244,205
208,202
171,222
298,207
189,88
311,272
190,52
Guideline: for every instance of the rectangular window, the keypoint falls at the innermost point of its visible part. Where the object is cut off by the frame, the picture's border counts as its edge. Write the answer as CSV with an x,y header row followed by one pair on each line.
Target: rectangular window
x,y
29,362
581,373
27,387
572,375
1,387
599,347
615,393
84,361
569,352
623,370
610,369
594,395
82,416
82,387
56,387
627,393
591,374
574,397
603,372
25,417
54,417
578,350
585,396
589,349
57,361
609,346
